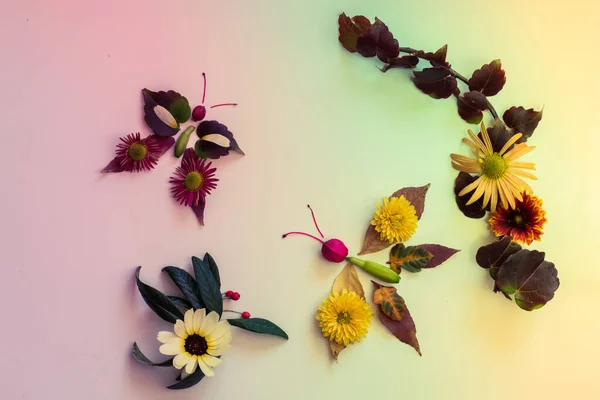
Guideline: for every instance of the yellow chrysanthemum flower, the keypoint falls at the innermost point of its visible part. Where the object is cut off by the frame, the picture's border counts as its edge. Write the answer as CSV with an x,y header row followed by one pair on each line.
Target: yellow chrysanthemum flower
x,y
500,172
395,220
344,317
197,342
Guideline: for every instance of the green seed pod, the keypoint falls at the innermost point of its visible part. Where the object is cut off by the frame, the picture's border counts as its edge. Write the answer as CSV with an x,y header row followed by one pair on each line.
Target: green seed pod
x,y
182,141
377,270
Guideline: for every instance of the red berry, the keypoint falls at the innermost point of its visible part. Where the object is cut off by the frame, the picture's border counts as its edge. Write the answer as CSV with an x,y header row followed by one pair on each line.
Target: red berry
x,y
235,296
245,315
229,293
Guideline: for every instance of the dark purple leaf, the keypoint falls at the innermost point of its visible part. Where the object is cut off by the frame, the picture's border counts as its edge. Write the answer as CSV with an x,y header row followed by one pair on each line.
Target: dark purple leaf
x,y
529,278
474,210
437,59
114,166
215,140
404,329
471,105
378,41
401,62
522,120
158,117
489,79
436,82
199,209
350,29
493,255
440,254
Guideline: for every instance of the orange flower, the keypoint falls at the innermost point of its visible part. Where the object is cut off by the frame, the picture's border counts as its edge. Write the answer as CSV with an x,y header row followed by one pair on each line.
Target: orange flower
x,y
524,223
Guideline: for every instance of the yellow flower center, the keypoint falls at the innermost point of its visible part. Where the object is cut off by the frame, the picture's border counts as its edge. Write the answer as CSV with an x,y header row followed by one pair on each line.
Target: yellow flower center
x,y
494,166
196,345
343,318
193,181
137,151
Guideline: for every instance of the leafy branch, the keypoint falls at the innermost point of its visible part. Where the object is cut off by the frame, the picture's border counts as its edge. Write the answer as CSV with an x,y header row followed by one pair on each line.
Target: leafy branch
x,y
440,81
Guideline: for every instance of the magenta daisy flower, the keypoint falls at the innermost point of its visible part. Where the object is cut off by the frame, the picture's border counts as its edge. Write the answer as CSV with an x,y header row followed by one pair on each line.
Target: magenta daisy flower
x,y
192,182
135,154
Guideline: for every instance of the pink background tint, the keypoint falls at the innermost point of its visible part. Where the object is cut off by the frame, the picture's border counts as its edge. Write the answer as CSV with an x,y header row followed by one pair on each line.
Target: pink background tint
x,y
319,126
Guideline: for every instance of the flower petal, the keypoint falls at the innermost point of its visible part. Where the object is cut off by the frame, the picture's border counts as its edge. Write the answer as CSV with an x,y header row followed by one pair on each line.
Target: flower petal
x,y
219,350
167,337
494,197
180,329
188,319
205,368
198,318
470,187
114,166
223,328
199,209
486,138
171,349
510,142
209,323
181,360
211,361
191,366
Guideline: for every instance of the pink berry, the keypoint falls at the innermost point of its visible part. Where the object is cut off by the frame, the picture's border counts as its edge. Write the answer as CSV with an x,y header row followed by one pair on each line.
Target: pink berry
x,y
198,113
235,296
245,315
229,293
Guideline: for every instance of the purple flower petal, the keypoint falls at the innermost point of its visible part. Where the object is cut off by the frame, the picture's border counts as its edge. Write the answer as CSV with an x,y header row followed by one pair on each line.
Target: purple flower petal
x,y
199,210
113,167
164,144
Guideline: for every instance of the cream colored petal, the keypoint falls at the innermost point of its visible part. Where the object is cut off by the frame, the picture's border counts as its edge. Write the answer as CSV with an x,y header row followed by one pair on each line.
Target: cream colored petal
x,y
518,152
211,361
181,360
520,164
188,319
191,366
180,329
198,318
502,195
219,350
472,145
510,198
205,368
209,323
519,183
478,142
523,174
223,328
487,191
470,187
478,192
167,337
171,349
510,142
184,374
494,196
219,341
486,138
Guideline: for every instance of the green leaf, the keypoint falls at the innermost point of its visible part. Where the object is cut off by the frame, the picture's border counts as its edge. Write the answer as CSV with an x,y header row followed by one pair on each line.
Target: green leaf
x,y
411,258
186,283
392,305
141,358
528,277
258,325
210,291
180,302
190,381
158,302
213,267
180,109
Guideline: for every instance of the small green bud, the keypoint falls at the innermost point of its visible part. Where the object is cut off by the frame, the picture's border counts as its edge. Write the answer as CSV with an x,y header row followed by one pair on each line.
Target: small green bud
x,y
377,270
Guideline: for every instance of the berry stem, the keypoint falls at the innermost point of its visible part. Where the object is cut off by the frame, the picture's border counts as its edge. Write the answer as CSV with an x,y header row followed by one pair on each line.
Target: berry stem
x,y
224,104
233,311
302,233
315,221
204,91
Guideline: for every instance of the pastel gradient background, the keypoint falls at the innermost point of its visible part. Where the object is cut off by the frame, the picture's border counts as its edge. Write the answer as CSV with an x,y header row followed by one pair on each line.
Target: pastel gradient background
x,y
319,126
